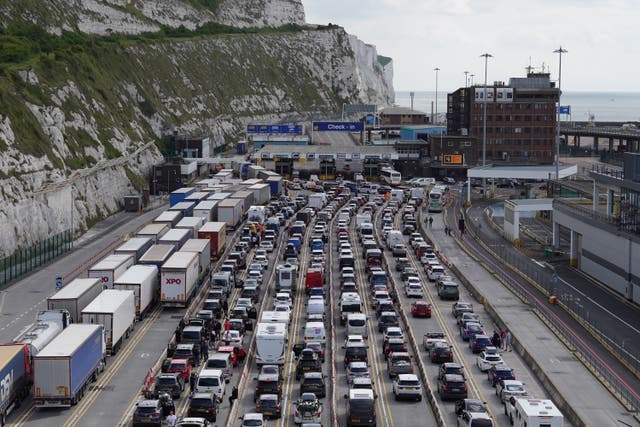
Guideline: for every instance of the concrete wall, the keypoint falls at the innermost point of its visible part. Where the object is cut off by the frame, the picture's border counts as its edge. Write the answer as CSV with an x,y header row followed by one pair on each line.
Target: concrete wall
x,y
605,254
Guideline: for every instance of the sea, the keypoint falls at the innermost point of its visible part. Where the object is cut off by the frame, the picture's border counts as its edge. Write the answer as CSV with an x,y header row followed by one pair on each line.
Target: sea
x,y
585,106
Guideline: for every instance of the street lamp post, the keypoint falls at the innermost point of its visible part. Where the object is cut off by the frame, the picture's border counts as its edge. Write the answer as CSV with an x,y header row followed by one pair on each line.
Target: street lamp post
x,y
466,79
436,70
486,57
471,75
559,51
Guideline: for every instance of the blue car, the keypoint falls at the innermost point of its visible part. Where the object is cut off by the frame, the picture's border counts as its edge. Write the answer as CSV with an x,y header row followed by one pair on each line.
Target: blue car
x,y
469,329
479,342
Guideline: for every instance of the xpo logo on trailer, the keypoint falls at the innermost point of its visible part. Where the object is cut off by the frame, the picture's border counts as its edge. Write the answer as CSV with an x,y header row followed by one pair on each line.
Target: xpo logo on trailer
x,y
173,281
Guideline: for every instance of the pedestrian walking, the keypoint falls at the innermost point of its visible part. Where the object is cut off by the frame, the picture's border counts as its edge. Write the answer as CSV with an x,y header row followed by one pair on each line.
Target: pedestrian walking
x,y
227,325
204,349
233,396
495,339
241,355
507,341
430,221
196,355
192,381
171,420
217,327
225,306
503,337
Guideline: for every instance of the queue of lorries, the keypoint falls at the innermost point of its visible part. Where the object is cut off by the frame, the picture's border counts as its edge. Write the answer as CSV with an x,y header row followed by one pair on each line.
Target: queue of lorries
x,y
55,359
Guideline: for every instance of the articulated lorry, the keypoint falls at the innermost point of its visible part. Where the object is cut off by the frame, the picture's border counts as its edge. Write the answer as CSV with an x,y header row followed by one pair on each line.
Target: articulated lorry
x,y
15,377
63,370
115,310
75,296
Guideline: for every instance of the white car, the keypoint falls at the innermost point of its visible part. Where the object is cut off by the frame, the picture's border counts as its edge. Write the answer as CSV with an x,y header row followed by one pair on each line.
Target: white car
x,y
283,308
283,298
266,245
262,260
255,274
244,302
393,332
413,290
253,419
429,256
488,358
354,340
407,386
234,338
507,388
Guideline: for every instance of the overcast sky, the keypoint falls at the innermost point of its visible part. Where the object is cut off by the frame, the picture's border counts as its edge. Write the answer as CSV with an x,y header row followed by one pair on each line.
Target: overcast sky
x,y
602,37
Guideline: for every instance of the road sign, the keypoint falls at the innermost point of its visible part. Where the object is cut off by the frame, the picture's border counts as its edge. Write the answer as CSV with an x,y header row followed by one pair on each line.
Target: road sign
x,y
58,282
337,126
554,279
452,159
266,128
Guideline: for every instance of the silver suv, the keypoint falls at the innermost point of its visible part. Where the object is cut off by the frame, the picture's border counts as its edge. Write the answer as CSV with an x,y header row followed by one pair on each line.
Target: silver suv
x,y
407,386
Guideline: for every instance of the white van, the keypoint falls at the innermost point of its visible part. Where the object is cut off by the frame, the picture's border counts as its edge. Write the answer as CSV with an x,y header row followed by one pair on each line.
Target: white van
x,y
211,381
315,307
314,331
221,361
394,237
357,324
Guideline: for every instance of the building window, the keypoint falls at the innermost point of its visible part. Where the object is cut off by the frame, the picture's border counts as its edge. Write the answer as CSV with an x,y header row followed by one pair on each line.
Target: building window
x,y
527,118
517,130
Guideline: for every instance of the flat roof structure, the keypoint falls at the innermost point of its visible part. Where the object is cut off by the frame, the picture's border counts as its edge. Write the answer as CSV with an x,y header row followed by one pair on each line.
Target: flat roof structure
x,y
328,152
512,209
522,172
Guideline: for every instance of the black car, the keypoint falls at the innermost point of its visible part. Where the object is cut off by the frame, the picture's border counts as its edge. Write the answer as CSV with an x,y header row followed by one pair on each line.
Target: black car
x,y
500,372
441,353
313,382
269,406
452,387
203,405
171,383
148,413
450,368
308,362
355,354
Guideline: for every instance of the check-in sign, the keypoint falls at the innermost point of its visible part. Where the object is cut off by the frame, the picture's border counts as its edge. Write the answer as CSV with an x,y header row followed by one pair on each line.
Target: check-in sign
x,y
337,126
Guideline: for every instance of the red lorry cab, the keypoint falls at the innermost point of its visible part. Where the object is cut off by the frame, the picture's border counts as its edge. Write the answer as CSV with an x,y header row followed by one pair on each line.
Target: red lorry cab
x,y
314,279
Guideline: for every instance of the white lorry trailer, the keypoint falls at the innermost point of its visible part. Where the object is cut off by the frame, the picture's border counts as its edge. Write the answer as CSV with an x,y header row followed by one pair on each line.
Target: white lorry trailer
x,y
143,281
178,279
116,311
110,268
75,296
271,343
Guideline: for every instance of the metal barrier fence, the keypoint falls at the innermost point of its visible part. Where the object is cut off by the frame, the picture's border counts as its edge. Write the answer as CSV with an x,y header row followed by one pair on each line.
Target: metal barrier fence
x,y
577,308
25,260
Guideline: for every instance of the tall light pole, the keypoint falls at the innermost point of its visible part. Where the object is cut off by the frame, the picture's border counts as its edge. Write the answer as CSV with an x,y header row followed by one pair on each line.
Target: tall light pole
x,y
486,57
466,79
471,75
559,51
436,70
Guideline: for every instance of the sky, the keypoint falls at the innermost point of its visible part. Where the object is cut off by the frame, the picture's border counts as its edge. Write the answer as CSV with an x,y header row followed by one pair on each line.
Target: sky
x,y
602,38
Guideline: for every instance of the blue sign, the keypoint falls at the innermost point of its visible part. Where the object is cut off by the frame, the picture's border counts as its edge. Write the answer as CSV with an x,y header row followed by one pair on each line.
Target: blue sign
x,y
565,109
338,127
295,129
58,282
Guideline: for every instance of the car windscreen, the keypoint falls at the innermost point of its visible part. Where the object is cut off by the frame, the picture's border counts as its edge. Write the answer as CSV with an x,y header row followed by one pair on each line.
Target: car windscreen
x,y
357,322
361,406
146,409
208,382
166,381
481,423
200,402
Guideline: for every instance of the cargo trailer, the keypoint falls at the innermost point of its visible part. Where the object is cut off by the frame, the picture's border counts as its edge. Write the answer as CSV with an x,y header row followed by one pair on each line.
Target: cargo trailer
x,y
110,268
216,232
135,246
261,193
230,211
143,281
252,181
115,310
153,231
175,237
184,207
206,210
219,196
203,248
247,199
275,185
15,374
63,370
192,223
178,195
178,279
75,296
197,196
170,218
157,255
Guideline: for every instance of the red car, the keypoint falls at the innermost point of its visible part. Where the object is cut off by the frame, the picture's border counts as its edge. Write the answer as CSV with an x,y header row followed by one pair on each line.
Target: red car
x,y
182,367
421,309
